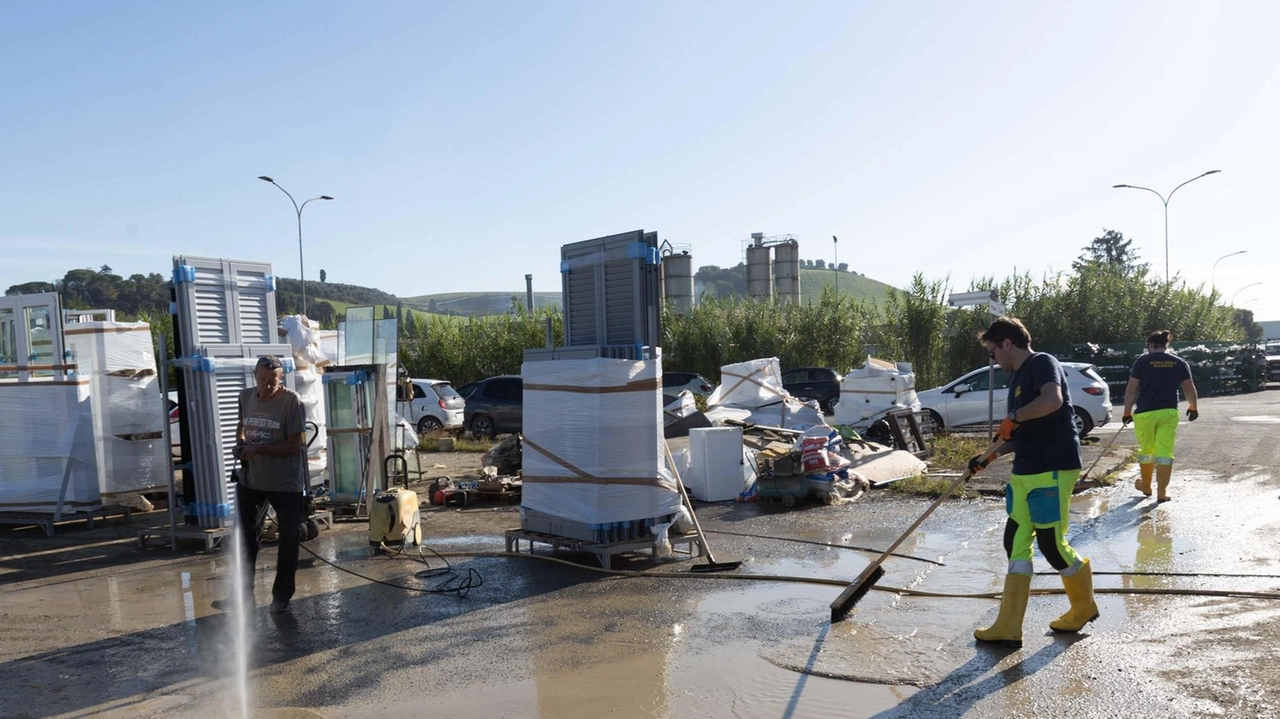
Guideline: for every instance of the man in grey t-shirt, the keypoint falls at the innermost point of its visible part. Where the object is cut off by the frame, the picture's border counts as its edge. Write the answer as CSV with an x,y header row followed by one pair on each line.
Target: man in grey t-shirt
x,y
269,442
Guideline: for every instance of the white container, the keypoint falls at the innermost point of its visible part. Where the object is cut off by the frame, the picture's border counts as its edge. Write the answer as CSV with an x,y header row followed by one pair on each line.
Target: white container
x,y
717,470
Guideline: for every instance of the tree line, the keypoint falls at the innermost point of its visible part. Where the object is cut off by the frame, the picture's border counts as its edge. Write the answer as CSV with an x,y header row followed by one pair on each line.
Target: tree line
x,y
1108,296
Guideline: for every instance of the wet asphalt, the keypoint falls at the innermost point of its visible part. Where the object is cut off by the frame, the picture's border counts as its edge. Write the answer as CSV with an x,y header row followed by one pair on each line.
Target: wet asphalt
x,y
93,626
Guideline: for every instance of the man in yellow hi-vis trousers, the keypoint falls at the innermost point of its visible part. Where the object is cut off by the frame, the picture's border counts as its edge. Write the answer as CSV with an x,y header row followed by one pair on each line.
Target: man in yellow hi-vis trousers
x,y
1151,403
1040,432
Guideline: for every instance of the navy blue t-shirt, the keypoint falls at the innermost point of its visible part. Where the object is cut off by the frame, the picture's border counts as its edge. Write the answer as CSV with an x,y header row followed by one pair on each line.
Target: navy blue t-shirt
x,y
1159,375
1047,443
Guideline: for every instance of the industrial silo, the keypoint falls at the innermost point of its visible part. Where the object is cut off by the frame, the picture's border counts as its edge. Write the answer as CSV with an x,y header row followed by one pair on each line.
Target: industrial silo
x,y
677,280
786,271
759,269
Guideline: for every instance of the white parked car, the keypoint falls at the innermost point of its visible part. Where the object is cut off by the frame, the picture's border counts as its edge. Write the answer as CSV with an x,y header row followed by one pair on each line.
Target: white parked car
x,y
963,403
434,405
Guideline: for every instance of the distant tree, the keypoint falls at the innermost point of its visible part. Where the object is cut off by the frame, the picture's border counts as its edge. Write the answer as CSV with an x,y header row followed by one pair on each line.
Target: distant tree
x,y
104,270
387,314
399,315
410,323
718,282
820,264
1110,249
843,267
1253,331
432,307
30,288
323,312
323,276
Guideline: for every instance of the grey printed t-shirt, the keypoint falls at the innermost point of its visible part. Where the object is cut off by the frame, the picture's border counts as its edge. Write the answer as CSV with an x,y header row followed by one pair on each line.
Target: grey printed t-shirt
x,y
271,422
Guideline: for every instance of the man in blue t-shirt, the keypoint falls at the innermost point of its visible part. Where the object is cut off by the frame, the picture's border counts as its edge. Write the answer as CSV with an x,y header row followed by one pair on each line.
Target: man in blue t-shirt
x,y
1046,465
1151,403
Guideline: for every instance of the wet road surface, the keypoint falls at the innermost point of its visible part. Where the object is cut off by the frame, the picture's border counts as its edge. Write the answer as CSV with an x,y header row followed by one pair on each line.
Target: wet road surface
x,y
92,626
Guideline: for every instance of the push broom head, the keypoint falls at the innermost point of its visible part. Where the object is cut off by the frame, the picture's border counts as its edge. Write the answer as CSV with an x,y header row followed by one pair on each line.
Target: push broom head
x,y
841,607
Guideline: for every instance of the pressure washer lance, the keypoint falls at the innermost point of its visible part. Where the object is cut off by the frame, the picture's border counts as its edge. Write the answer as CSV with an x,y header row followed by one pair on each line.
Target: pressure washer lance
x,y
1103,454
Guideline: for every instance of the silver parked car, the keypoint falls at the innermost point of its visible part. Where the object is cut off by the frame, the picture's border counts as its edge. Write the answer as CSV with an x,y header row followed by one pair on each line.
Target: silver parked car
x,y
962,403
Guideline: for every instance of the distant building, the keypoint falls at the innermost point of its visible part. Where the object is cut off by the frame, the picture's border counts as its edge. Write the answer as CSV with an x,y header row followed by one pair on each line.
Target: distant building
x,y
1270,329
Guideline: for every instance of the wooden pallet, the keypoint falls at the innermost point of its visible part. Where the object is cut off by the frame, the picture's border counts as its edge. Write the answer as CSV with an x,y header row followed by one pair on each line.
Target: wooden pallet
x,y
604,552
212,537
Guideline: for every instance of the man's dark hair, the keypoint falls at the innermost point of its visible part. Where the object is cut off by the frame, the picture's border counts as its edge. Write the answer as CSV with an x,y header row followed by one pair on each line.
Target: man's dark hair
x,y
1160,338
270,362
1007,328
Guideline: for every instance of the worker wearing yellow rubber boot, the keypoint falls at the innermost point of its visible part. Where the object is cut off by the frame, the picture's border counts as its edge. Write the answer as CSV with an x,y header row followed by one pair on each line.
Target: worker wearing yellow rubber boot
x,y
1151,403
1039,430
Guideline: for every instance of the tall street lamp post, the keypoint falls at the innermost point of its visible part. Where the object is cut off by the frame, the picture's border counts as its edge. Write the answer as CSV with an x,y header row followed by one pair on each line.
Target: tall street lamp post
x,y
1232,303
1213,273
1165,200
302,274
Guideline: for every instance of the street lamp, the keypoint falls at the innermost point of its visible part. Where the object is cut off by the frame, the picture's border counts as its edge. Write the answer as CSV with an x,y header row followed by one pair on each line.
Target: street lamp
x,y
1165,200
302,274
1232,303
1213,272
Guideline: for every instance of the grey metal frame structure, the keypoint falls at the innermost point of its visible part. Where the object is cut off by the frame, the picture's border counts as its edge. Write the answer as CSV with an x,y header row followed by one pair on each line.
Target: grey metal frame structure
x,y
612,290
226,318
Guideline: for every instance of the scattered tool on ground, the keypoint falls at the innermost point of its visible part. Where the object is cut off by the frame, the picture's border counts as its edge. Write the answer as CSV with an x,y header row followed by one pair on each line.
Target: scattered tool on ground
x,y
712,565
1105,449
866,580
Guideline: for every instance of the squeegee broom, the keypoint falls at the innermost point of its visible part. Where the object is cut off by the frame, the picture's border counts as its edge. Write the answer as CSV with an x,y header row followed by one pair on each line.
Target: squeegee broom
x,y
854,593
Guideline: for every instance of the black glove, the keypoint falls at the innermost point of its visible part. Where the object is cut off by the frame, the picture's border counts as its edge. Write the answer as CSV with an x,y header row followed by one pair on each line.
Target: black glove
x,y
1125,420
1192,414
977,464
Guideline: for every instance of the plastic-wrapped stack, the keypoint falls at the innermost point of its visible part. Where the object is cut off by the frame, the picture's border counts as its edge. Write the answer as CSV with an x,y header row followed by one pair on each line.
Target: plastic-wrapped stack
x,y
752,392
875,388
46,444
118,360
593,461
303,336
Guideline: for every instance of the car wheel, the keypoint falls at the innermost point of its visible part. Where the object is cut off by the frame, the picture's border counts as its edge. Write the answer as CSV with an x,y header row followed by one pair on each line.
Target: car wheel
x,y
1082,421
427,425
482,426
935,419
829,404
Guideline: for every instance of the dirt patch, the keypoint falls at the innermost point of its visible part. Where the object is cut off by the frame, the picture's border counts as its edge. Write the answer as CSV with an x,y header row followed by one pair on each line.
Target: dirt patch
x,y
425,466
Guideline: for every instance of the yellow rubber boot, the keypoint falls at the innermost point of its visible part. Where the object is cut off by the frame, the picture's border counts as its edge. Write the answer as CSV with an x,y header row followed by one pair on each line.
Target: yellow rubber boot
x,y
1163,473
1143,482
1083,609
1007,629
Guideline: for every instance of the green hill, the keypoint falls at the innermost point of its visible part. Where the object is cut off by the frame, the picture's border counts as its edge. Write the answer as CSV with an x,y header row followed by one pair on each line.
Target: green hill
x,y
477,303
858,287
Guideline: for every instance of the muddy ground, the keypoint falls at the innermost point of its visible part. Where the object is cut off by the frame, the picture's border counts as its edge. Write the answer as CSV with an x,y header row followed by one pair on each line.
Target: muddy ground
x,y
92,625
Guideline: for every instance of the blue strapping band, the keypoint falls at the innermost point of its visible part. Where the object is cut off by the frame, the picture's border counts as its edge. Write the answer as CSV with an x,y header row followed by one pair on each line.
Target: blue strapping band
x,y
184,273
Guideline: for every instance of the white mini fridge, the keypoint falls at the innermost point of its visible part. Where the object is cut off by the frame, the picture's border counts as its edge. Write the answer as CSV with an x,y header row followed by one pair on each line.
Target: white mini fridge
x,y
717,469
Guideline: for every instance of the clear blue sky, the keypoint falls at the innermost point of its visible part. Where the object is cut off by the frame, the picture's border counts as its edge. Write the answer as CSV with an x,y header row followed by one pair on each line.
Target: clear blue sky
x,y
466,142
